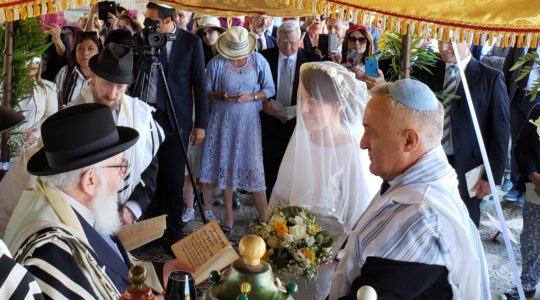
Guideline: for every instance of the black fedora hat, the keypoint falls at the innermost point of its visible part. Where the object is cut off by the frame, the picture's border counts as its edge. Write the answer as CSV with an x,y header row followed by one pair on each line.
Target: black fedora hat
x,y
77,137
9,118
114,64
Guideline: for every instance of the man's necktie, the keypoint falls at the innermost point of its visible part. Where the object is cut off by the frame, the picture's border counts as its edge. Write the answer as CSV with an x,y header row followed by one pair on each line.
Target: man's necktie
x,y
384,187
259,44
285,83
161,104
449,88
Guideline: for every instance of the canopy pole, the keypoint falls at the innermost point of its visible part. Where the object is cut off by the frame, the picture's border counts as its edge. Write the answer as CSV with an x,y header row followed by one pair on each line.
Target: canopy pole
x,y
489,174
406,46
8,71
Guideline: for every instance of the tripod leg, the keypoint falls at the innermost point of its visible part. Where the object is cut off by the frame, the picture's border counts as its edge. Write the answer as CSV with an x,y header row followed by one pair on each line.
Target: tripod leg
x,y
178,131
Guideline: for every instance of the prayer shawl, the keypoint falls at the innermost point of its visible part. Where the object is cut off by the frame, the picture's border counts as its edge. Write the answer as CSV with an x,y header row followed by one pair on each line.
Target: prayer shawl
x,y
46,236
421,218
136,114
15,281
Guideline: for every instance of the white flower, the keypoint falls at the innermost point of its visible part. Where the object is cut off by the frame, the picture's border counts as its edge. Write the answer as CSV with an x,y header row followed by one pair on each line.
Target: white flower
x,y
276,219
299,256
298,231
310,240
298,220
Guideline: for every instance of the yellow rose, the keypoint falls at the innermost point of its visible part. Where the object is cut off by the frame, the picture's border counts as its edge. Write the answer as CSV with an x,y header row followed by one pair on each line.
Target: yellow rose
x,y
313,229
308,253
281,228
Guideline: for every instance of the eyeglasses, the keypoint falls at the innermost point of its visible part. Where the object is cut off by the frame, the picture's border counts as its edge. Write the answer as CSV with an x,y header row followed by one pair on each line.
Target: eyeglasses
x,y
353,39
123,167
209,31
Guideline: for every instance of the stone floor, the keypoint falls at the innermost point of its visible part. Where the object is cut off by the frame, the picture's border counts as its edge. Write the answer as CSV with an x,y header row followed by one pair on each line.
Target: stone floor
x,y
499,266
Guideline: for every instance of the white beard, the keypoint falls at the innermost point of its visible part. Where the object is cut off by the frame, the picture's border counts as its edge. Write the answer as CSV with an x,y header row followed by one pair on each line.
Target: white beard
x,y
105,208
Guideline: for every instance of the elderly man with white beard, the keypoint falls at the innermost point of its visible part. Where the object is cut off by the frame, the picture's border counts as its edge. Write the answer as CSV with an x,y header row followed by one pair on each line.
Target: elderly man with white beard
x,y
63,229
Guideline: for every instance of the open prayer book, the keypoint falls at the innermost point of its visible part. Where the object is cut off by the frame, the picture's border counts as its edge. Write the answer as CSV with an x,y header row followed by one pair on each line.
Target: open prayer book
x,y
205,250
140,233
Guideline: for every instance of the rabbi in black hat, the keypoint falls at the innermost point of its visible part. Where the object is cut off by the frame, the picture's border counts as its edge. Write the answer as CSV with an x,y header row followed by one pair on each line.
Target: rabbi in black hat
x,y
63,229
112,73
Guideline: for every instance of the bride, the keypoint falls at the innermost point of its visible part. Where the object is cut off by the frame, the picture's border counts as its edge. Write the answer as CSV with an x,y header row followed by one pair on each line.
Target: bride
x,y
324,169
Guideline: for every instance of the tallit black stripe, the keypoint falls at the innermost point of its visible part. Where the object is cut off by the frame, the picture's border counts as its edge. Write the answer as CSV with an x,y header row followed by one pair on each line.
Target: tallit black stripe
x,y
66,264
23,289
6,265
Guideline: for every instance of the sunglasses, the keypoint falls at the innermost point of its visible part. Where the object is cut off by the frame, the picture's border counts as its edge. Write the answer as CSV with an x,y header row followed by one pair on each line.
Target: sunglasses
x,y
208,31
353,39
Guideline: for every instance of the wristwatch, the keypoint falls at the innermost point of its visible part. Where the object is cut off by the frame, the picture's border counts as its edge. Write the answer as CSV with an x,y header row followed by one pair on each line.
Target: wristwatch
x,y
255,96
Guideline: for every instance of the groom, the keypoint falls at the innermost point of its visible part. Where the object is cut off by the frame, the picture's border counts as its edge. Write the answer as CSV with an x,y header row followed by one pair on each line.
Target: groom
x,y
415,239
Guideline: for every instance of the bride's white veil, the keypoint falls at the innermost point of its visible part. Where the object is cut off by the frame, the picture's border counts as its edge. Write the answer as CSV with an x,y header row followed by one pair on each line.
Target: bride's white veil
x,y
324,168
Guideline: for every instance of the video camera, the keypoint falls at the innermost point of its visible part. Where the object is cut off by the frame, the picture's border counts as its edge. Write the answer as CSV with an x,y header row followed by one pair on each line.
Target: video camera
x,y
148,38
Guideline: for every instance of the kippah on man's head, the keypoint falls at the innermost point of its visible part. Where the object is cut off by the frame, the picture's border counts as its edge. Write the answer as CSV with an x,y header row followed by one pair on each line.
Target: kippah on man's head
x,y
413,94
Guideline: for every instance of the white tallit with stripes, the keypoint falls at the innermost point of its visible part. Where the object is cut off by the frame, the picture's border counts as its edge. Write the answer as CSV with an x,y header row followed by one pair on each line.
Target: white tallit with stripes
x,y
138,115
421,218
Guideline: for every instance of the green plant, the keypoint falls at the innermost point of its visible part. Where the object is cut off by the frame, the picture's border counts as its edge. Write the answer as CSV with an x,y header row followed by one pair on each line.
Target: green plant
x,y
391,48
29,41
527,68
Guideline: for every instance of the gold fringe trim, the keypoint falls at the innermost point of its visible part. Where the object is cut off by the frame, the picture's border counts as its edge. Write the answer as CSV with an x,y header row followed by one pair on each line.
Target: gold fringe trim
x,y
400,25
36,8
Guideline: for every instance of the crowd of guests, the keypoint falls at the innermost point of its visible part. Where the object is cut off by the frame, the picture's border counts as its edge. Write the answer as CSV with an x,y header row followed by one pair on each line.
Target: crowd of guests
x,y
263,108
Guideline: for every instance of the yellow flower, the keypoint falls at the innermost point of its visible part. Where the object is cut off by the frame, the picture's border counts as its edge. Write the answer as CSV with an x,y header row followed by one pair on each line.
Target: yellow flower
x,y
313,229
281,228
308,253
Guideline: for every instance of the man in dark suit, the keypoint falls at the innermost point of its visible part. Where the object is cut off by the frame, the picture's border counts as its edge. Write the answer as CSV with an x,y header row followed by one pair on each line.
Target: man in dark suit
x,y
276,129
258,25
520,105
492,110
183,62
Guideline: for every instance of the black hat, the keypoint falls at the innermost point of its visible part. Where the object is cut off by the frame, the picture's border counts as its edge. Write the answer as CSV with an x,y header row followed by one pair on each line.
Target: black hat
x,y
9,118
114,64
77,137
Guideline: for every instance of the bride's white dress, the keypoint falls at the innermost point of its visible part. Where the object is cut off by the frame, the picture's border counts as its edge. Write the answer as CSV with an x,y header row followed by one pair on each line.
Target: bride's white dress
x,y
329,173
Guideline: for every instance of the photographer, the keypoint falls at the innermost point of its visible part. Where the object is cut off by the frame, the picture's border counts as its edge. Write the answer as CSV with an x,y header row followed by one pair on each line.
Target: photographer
x,y
183,64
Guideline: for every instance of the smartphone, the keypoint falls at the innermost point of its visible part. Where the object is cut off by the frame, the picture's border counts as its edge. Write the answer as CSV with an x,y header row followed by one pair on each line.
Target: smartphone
x,y
352,58
332,43
324,45
49,19
106,7
372,66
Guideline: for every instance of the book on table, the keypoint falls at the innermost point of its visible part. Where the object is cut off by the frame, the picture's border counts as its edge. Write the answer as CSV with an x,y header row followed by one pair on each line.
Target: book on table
x,y
206,249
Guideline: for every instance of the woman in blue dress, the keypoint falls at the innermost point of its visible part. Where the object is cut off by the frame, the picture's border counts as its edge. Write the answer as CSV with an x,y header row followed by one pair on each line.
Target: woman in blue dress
x,y
238,81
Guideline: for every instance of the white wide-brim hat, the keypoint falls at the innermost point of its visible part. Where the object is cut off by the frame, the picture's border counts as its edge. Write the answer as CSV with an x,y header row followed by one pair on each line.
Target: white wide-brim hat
x,y
209,22
236,43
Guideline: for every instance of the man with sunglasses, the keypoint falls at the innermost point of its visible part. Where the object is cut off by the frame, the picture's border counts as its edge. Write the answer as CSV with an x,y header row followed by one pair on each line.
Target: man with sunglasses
x,y
64,229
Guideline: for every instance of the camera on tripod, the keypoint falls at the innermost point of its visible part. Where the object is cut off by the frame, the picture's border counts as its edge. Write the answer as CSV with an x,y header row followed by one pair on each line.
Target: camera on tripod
x,y
149,38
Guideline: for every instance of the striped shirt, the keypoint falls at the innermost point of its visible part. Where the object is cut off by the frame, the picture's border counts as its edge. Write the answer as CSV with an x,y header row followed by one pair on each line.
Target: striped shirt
x,y
420,219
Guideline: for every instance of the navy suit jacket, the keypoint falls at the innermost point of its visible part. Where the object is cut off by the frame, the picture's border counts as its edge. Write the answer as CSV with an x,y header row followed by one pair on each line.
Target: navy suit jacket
x,y
185,77
271,42
116,268
492,107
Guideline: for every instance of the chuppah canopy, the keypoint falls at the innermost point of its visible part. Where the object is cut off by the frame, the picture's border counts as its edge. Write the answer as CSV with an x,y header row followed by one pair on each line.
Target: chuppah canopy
x,y
507,20
12,10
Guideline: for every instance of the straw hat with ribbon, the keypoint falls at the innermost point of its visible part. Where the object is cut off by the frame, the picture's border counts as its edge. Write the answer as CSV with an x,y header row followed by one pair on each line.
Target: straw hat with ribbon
x,y
236,43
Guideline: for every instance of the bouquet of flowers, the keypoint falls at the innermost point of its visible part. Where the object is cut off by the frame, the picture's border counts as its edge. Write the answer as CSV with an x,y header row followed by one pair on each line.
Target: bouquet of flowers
x,y
295,244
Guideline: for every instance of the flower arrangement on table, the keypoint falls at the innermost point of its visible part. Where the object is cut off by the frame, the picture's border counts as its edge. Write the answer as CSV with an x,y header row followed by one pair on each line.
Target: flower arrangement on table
x,y
295,244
